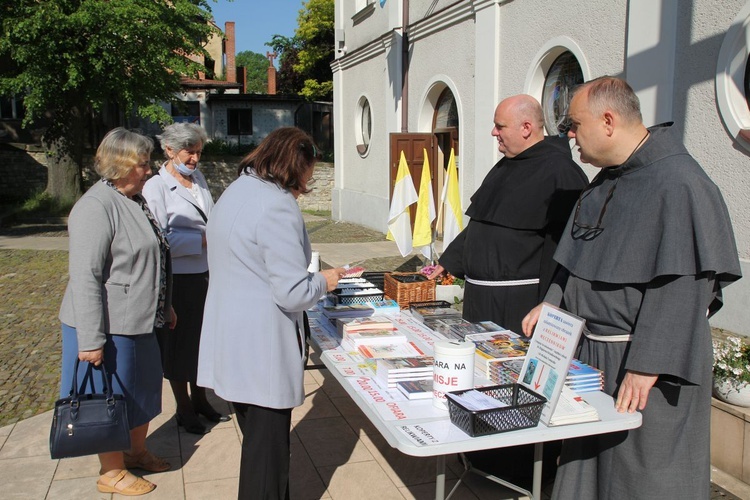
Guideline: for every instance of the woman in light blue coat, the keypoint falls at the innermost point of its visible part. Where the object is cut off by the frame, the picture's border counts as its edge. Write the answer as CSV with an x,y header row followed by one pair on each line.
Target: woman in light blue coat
x,y
181,202
252,345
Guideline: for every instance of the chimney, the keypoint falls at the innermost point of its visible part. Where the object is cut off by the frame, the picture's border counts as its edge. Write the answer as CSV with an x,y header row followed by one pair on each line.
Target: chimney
x,y
271,73
231,69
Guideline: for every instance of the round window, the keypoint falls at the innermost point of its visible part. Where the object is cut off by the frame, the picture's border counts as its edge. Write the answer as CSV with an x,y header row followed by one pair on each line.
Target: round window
x,y
563,75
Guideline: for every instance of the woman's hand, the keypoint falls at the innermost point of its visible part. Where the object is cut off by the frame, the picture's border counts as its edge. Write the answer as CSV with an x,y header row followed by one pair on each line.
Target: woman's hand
x,y
332,277
94,357
173,321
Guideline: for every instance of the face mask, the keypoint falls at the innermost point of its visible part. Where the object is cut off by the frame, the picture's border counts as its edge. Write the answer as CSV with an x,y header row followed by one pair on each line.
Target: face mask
x,y
181,167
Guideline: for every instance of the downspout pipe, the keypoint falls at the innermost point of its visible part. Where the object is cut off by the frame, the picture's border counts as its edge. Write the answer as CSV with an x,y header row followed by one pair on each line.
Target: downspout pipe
x,y
404,67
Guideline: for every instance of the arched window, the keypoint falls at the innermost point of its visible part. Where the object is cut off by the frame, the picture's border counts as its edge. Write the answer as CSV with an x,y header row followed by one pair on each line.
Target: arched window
x,y
364,126
446,113
563,75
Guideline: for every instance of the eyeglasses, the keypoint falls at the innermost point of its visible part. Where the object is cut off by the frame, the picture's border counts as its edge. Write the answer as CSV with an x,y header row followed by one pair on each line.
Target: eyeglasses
x,y
586,231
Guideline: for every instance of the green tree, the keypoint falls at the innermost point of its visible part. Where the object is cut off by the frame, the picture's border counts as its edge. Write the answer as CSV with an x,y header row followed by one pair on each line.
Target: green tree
x,y
72,58
305,59
257,70
315,32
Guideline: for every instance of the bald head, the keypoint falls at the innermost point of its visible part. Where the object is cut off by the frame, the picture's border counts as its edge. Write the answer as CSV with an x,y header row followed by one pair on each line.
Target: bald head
x,y
519,124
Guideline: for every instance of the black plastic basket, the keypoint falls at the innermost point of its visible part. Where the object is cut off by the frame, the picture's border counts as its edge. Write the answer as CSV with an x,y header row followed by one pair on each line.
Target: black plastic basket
x,y
523,411
377,278
347,300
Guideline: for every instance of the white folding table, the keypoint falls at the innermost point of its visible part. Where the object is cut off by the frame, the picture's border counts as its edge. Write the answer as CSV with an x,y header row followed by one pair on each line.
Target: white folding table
x,y
610,421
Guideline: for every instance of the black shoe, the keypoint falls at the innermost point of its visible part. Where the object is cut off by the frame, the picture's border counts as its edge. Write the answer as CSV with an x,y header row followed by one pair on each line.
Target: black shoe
x,y
191,424
214,416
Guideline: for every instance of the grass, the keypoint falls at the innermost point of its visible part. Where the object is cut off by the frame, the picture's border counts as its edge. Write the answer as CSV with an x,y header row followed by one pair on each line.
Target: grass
x,y
32,284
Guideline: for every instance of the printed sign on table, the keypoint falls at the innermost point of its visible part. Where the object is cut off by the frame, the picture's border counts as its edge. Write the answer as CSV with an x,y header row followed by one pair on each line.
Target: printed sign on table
x,y
552,347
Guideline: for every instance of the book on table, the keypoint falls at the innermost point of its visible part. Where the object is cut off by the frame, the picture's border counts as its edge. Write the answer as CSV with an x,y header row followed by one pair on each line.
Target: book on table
x,y
374,337
416,389
354,325
571,408
504,371
400,350
433,309
391,370
497,346
333,312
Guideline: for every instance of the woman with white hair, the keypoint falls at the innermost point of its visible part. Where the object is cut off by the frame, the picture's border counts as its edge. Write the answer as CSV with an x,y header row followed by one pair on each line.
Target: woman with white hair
x,y
181,202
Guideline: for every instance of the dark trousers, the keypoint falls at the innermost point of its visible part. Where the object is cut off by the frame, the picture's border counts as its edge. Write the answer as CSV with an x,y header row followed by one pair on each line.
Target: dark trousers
x,y
264,466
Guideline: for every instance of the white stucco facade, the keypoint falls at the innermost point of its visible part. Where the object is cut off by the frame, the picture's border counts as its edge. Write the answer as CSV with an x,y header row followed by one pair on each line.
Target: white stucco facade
x,y
686,60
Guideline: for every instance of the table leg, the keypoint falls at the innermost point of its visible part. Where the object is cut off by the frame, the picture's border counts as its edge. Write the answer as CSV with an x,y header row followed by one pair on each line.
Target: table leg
x,y
536,486
440,478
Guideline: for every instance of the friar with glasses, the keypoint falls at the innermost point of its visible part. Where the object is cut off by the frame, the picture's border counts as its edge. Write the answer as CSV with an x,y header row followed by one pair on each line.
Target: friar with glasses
x,y
505,252
646,255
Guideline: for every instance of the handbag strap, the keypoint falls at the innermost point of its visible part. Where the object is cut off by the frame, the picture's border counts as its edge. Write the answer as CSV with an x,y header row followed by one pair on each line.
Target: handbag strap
x,y
105,377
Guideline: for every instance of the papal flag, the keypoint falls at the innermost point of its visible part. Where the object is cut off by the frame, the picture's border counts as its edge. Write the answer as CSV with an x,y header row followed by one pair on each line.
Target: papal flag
x,y
399,222
453,218
425,212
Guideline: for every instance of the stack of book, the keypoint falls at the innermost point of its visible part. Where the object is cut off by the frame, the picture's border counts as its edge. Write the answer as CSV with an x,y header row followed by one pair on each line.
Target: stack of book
x,y
333,311
416,389
498,346
401,350
432,309
369,331
572,409
504,371
389,371
457,328
584,378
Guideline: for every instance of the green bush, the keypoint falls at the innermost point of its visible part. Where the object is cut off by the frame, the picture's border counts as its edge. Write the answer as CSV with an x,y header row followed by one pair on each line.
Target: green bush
x,y
41,204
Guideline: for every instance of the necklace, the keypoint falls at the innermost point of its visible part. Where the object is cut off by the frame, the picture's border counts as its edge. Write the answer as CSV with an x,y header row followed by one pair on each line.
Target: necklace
x,y
636,148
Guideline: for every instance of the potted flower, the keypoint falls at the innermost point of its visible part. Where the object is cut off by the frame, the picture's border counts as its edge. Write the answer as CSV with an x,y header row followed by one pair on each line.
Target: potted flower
x,y
447,286
732,371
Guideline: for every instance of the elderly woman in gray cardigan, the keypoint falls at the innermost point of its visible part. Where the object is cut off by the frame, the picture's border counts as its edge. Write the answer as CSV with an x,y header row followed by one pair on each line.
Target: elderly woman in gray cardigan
x,y
118,291
252,348
180,200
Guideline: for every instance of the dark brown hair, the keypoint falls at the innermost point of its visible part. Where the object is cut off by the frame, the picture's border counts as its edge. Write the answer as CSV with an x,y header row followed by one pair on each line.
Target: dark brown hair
x,y
283,157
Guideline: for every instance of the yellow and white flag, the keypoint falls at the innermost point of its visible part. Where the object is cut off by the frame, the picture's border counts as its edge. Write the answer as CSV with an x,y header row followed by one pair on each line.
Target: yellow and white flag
x,y
453,219
425,212
399,222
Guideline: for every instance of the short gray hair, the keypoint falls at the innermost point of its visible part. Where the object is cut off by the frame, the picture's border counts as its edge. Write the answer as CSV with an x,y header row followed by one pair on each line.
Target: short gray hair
x,y
182,136
120,151
609,92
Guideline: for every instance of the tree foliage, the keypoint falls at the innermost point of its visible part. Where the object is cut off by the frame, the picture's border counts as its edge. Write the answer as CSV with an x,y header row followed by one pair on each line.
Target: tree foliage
x,y
73,58
305,59
257,70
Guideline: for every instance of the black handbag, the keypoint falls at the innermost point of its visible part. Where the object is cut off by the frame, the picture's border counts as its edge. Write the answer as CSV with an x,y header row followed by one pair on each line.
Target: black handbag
x,y
87,424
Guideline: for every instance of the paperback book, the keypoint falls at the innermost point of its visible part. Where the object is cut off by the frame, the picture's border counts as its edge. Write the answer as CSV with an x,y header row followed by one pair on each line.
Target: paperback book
x,y
416,389
355,325
392,370
492,347
400,350
373,337
571,408
435,309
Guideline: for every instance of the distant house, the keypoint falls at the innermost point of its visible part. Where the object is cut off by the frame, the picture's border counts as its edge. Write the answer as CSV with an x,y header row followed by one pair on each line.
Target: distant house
x,y
217,101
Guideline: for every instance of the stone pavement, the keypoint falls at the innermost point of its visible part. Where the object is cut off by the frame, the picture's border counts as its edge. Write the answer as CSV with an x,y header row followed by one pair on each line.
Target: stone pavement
x,y
336,452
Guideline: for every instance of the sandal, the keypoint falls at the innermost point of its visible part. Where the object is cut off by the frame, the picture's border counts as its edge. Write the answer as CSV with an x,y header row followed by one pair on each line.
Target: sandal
x,y
146,461
140,486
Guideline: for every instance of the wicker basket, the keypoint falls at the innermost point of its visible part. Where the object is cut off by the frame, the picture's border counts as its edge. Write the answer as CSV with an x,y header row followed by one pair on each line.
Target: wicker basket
x,y
523,411
406,288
